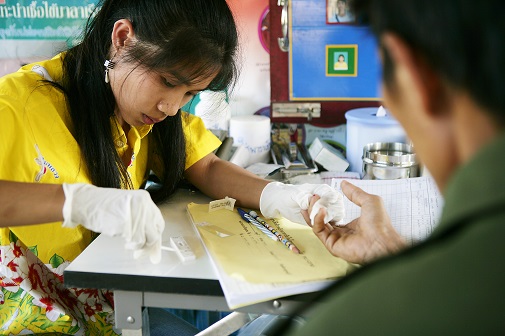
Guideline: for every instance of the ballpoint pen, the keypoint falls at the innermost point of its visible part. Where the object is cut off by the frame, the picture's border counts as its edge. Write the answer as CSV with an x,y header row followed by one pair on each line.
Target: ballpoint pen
x,y
270,228
250,219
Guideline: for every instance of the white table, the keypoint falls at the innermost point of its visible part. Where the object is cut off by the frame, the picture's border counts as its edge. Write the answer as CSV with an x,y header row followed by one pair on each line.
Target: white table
x,y
105,264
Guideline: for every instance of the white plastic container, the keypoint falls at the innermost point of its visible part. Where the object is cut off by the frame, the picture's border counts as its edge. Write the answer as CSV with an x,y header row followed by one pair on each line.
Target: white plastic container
x,y
364,126
253,133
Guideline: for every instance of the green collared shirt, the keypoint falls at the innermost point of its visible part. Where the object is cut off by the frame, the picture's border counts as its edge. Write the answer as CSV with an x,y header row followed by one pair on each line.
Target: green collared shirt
x,y
452,284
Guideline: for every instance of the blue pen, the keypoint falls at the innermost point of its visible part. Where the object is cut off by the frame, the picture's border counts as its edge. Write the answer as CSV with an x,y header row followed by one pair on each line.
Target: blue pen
x,y
271,229
248,218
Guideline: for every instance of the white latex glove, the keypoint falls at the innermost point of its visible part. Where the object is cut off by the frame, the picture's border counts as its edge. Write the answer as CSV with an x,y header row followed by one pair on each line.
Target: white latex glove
x,y
130,214
288,200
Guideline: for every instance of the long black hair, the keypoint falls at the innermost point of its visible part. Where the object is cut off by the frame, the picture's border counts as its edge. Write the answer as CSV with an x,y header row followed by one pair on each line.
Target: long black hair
x,y
190,39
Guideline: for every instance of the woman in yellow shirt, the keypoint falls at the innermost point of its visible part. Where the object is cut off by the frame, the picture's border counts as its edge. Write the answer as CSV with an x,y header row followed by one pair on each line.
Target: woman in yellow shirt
x,y
341,64
107,113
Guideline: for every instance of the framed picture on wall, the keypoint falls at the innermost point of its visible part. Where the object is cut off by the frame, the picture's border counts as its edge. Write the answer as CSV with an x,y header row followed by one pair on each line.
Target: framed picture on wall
x,y
303,75
342,60
338,11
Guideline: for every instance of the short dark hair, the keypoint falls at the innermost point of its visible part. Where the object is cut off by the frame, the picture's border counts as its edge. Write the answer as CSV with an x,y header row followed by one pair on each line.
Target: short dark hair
x,y
461,41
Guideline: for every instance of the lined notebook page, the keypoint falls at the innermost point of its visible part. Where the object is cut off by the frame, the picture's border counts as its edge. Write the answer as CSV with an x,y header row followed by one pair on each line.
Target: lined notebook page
x,y
414,204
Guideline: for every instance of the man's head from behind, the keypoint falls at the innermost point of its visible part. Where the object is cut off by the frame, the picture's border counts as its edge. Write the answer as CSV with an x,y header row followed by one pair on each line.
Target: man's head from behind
x,y
461,41
443,66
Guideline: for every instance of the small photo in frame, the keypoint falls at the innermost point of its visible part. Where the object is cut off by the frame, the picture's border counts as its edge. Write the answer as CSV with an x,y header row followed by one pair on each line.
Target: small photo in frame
x,y
338,11
342,60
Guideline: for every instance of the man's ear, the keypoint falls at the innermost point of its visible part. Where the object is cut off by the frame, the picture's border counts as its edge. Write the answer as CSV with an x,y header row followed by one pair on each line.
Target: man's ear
x,y
413,73
122,33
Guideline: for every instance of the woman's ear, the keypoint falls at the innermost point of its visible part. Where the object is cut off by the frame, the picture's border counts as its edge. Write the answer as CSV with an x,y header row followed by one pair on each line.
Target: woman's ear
x,y
415,76
122,33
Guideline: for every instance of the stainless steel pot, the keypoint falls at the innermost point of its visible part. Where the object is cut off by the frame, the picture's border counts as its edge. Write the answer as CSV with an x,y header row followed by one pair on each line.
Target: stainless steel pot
x,y
389,161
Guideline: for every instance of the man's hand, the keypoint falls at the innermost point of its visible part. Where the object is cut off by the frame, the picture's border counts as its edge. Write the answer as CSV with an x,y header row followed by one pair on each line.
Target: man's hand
x,y
364,239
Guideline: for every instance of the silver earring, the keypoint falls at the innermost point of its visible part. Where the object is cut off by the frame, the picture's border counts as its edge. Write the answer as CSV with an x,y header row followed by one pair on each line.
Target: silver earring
x,y
108,65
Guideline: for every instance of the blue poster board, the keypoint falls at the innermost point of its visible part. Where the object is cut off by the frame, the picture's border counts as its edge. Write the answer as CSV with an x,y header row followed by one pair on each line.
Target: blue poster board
x,y
328,60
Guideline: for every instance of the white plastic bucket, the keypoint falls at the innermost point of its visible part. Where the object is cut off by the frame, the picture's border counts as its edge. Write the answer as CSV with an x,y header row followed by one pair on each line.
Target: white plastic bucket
x,y
364,127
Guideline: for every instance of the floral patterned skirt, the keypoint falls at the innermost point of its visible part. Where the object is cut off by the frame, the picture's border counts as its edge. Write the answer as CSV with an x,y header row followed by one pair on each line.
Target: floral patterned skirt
x,y
33,299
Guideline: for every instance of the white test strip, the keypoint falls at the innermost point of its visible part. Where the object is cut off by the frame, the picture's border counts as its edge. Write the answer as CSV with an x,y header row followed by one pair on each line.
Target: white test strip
x,y
182,248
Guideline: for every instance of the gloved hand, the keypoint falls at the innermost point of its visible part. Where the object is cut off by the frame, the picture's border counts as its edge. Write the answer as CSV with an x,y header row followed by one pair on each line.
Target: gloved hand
x,y
130,214
288,200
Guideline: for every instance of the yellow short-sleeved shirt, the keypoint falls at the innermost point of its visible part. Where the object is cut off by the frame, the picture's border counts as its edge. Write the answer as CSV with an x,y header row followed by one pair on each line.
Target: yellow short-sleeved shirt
x,y
36,145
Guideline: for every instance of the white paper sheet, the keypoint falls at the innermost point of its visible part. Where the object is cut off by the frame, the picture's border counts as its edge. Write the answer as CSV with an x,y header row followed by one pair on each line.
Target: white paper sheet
x,y
414,204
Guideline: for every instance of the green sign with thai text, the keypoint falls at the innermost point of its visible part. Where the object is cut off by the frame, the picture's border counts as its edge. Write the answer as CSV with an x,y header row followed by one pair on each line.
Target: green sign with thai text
x,y
43,20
